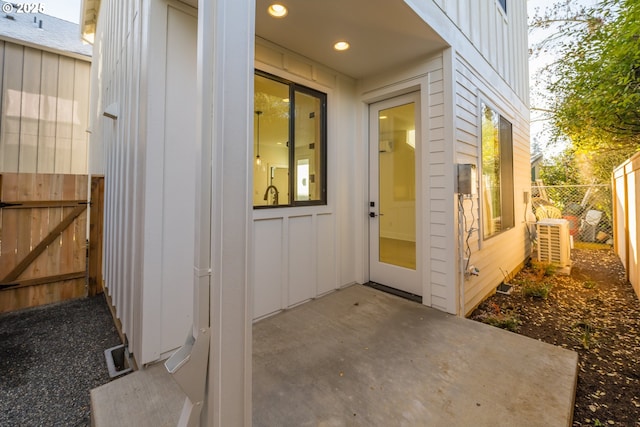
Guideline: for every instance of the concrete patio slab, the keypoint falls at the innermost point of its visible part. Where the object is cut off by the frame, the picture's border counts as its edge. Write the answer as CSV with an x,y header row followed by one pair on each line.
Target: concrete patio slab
x,y
360,357
145,398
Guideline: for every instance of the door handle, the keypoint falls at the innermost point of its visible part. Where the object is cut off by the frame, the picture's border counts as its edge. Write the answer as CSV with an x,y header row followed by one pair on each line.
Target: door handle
x,y
372,214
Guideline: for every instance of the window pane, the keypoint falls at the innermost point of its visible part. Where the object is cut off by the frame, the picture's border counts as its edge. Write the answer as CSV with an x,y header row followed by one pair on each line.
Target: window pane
x,y
289,143
490,171
271,143
497,173
308,147
506,173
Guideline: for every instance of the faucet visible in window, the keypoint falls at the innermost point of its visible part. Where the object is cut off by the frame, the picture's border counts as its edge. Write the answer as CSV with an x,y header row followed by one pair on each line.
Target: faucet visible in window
x,y
274,190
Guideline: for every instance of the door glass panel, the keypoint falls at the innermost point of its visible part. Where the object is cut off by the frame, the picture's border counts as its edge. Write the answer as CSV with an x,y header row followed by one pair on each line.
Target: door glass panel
x,y
397,186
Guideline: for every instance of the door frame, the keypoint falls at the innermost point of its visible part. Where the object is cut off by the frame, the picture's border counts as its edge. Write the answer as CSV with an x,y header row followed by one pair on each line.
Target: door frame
x,y
393,100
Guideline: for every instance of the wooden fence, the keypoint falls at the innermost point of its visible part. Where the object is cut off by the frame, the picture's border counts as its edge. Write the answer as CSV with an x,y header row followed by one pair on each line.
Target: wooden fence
x,y
626,212
43,239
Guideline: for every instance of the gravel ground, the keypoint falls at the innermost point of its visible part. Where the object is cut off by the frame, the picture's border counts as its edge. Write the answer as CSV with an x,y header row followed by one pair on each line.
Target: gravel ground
x,y
50,358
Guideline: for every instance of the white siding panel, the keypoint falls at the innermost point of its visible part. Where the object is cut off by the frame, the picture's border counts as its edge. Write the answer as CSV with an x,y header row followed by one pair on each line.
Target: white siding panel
x,y
441,279
439,302
498,37
438,254
437,134
269,56
179,176
464,15
268,258
326,254
302,268
436,111
507,250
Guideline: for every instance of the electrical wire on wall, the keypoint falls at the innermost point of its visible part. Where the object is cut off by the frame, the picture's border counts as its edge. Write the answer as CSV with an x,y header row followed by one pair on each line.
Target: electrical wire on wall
x,y
467,232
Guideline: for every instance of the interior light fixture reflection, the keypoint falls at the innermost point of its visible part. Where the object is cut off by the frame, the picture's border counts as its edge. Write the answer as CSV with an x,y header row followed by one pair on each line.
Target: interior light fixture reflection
x,y
342,45
277,10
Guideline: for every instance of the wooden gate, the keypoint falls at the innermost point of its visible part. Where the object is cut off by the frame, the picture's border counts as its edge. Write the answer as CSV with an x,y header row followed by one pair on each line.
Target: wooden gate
x,y
43,239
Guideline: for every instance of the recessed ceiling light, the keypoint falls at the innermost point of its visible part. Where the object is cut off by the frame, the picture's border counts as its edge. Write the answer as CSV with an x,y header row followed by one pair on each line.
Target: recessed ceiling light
x,y
277,10
342,45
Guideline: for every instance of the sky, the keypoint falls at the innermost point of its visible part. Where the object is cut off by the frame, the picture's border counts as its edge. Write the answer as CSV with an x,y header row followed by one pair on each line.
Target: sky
x,y
69,10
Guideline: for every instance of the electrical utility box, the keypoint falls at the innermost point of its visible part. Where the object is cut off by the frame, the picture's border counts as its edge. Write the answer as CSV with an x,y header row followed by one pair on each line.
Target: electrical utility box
x,y
467,179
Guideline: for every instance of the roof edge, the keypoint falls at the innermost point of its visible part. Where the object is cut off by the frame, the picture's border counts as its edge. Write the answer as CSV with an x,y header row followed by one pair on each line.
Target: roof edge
x,y
75,55
89,11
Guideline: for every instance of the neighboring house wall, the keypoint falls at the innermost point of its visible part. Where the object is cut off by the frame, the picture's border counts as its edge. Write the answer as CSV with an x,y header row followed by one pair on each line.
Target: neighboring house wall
x,y
148,157
44,99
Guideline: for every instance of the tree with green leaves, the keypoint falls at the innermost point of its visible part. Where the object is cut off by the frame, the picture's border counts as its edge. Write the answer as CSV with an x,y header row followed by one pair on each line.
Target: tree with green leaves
x,y
562,169
595,81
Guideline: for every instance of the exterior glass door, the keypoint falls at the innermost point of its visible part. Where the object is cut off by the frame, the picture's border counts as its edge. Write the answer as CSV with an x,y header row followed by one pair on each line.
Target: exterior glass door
x,y
393,206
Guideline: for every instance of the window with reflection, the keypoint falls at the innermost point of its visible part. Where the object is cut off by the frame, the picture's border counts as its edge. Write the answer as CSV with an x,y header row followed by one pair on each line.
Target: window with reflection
x,y
497,173
289,144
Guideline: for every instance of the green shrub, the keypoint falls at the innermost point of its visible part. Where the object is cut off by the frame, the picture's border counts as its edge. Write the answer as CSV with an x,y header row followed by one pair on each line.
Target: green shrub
x,y
509,321
536,289
543,269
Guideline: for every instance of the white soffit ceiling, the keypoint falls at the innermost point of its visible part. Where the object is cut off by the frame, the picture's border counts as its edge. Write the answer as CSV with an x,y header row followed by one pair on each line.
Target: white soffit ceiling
x,y
382,33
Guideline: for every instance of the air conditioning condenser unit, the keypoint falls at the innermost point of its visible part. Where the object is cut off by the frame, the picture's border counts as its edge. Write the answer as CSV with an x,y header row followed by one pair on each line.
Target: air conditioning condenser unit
x,y
554,242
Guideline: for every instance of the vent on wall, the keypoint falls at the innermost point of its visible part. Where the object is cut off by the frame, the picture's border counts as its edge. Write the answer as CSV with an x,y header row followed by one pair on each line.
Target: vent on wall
x,y
554,243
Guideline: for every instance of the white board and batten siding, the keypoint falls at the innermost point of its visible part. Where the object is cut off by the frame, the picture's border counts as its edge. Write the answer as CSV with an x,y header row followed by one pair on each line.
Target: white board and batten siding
x,y
303,252
486,63
496,35
44,99
148,159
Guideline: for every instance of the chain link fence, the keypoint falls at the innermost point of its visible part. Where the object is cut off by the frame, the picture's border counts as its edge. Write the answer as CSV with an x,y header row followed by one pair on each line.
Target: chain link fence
x,y
588,208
